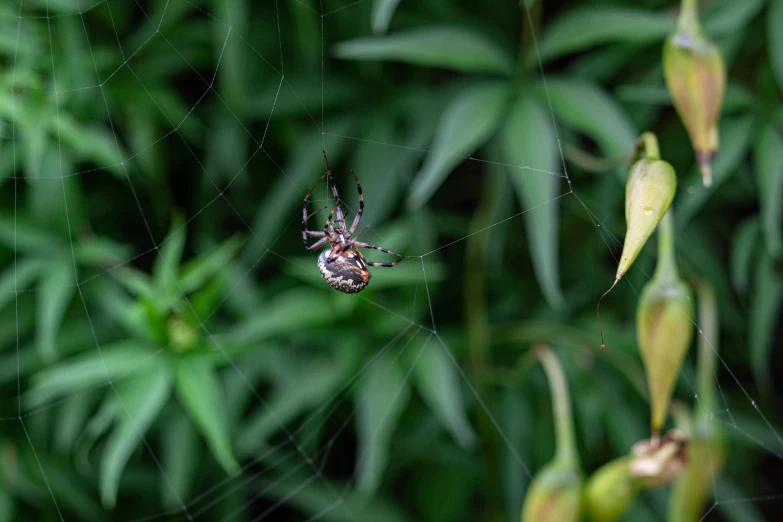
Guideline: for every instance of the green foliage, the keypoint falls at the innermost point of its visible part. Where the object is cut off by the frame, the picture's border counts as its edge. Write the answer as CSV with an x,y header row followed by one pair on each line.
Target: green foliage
x,y
166,342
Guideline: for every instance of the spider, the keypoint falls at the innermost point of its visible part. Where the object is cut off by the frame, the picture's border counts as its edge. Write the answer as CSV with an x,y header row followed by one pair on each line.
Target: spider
x,y
343,266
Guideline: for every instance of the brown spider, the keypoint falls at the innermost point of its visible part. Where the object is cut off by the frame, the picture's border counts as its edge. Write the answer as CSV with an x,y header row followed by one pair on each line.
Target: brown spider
x,y
343,267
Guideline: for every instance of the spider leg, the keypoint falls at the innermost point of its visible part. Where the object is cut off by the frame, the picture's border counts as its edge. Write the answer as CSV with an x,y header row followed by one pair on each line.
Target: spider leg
x,y
366,227
384,250
318,244
305,216
361,205
340,216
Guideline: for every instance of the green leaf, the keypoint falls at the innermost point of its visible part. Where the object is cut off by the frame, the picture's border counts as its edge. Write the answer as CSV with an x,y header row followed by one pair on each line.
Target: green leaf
x,y
166,265
743,244
775,40
382,12
16,278
313,383
134,280
7,507
141,399
180,459
439,384
71,419
117,361
769,174
529,139
447,47
57,289
728,16
580,29
465,125
381,398
762,316
200,392
732,507
735,135
197,271
587,108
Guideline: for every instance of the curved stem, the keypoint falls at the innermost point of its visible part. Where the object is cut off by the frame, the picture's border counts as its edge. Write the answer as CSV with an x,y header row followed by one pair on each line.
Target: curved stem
x,y
561,407
647,144
708,345
667,264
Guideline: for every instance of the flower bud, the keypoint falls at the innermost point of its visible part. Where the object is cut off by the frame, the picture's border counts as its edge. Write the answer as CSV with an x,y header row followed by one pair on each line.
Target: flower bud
x,y
696,77
649,192
556,491
611,490
664,326
555,494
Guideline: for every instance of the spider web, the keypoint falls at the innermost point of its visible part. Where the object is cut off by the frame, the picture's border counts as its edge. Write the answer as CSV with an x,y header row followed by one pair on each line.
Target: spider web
x,y
291,466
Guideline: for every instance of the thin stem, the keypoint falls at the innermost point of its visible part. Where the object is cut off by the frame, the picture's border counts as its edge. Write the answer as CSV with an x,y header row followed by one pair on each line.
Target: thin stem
x,y
667,264
708,345
647,144
561,407
689,16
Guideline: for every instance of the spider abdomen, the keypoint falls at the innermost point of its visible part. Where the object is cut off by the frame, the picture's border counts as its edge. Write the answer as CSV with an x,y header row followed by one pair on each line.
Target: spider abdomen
x,y
348,273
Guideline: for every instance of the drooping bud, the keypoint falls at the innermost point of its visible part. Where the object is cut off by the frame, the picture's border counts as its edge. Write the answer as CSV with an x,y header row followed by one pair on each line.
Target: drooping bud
x,y
658,461
556,491
611,490
649,192
664,326
696,77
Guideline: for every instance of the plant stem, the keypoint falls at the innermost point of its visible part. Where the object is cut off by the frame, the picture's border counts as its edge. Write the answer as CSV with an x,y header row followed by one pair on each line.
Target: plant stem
x,y
708,346
689,16
667,264
647,144
561,407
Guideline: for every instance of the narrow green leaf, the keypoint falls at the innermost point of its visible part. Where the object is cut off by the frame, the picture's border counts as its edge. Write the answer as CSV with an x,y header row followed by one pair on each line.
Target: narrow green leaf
x,y
7,507
71,419
448,47
763,314
166,264
197,271
769,174
382,12
142,398
88,371
466,124
725,17
743,244
580,29
134,280
529,139
439,384
57,289
200,392
313,383
587,108
735,135
381,396
180,459
775,39
16,278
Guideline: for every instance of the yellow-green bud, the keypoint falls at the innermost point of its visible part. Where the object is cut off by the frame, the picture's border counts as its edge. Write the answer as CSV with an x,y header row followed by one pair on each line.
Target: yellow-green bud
x,y
611,490
664,326
555,494
696,77
649,192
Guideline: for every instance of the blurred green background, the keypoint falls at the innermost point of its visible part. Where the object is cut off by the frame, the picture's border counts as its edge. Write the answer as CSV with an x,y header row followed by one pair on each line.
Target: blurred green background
x,y
169,350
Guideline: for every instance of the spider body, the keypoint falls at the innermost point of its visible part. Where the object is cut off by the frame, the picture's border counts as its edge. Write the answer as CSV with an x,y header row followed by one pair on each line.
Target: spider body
x,y
343,266
348,273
